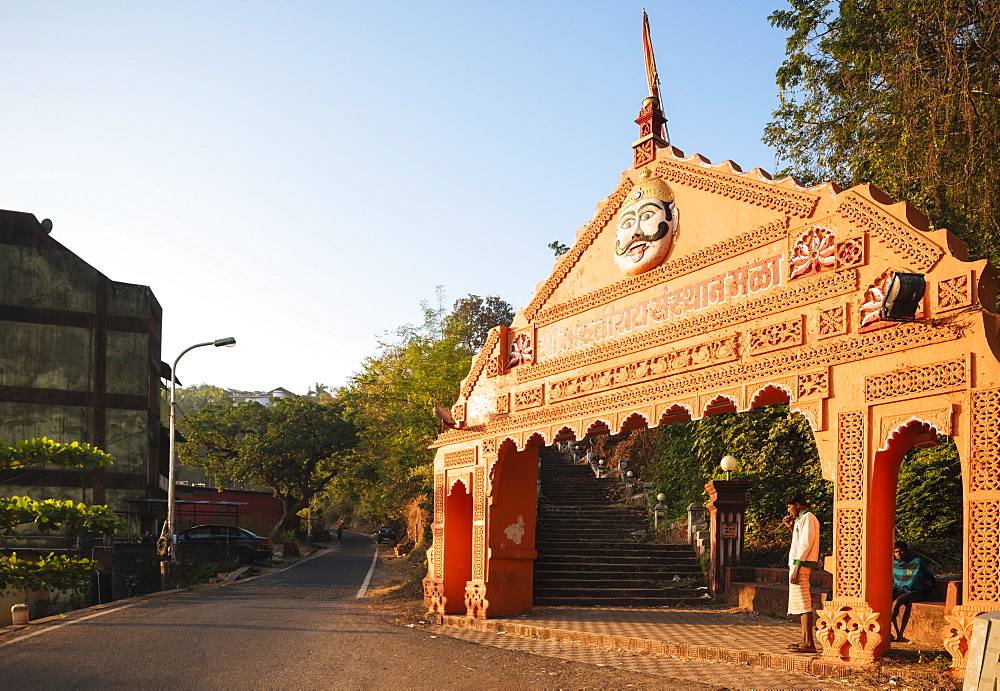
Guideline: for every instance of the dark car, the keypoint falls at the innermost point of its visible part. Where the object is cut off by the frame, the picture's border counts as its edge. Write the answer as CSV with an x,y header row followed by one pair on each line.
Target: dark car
x,y
385,534
251,547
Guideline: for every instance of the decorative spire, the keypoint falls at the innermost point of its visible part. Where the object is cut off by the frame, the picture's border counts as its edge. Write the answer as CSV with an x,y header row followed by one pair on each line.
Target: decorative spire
x,y
650,121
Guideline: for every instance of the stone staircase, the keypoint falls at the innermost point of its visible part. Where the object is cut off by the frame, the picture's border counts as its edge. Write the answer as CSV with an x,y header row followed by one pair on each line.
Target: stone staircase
x,y
591,551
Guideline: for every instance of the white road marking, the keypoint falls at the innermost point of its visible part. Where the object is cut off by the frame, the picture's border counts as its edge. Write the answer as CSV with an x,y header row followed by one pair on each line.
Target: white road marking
x,y
368,578
67,623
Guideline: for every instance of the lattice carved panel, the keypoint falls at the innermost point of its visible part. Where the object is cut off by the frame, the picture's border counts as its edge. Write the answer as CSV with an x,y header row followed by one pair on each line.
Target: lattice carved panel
x,y
439,497
912,381
984,551
503,404
773,337
849,553
985,471
490,446
479,509
458,412
851,253
479,552
851,457
437,550
456,459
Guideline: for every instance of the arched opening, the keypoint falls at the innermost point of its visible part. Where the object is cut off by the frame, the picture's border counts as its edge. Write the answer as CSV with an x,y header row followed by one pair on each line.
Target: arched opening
x,y
512,524
457,546
769,395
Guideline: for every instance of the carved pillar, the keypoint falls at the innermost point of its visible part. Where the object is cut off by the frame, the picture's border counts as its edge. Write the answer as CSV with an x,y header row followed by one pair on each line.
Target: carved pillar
x,y
476,604
727,502
434,599
847,627
981,584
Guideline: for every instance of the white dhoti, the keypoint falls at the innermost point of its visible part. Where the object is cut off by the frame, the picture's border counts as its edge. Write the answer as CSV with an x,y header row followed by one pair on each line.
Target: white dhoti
x,y
799,595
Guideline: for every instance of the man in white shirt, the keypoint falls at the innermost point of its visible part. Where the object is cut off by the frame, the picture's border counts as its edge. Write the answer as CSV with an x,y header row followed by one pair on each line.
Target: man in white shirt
x,y
803,557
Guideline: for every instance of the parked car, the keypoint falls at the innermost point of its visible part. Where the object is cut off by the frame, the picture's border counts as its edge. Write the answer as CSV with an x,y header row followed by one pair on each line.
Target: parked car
x,y
385,534
251,547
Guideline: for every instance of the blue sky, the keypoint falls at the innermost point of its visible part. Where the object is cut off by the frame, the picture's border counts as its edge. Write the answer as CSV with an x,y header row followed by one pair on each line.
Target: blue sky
x,y
300,175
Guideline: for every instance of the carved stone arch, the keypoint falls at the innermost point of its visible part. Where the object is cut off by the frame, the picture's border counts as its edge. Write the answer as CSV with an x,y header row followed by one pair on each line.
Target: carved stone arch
x,y
635,420
931,422
812,412
534,438
769,394
724,402
459,480
676,412
565,433
597,427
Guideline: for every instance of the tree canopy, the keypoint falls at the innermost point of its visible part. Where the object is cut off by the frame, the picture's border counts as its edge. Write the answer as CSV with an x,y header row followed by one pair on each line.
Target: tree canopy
x,y
295,448
904,94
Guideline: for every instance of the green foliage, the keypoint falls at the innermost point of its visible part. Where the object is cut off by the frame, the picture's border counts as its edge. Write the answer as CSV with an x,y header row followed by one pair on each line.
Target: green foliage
x,y
35,452
904,94
558,248
295,448
54,572
51,515
193,398
929,505
391,398
776,452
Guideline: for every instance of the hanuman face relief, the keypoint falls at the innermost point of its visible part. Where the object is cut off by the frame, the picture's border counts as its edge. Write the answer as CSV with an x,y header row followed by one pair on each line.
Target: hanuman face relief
x,y
646,226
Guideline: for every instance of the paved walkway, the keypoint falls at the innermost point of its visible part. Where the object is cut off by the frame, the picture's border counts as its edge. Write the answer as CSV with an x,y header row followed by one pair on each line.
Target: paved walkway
x,y
721,648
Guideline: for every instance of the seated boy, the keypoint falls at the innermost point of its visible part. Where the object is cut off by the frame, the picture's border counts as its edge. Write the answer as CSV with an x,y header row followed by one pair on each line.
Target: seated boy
x,y
911,582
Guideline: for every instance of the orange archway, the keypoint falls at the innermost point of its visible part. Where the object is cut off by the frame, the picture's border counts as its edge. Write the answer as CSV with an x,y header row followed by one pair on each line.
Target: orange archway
x,y
769,292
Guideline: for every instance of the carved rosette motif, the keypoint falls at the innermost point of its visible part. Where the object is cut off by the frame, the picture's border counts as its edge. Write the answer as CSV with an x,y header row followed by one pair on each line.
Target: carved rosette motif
x,y
954,293
455,459
529,398
778,336
476,603
813,251
458,412
833,322
675,362
522,350
851,457
851,253
434,599
916,250
849,547
910,381
874,297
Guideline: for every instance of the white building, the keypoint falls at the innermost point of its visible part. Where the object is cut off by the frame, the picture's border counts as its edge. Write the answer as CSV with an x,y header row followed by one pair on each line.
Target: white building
x,y
264,398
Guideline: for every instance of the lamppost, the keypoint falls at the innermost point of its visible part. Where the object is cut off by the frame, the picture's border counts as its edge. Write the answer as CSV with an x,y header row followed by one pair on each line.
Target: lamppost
x,y
171,532
728,463
659,509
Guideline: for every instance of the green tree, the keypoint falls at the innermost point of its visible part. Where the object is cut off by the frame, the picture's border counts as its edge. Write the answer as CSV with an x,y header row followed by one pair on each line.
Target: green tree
x,y
296,448
391,398
193,398
52,572
558,248
904,94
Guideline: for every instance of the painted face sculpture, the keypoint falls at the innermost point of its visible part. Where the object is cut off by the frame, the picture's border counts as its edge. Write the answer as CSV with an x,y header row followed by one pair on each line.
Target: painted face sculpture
x,y
646,226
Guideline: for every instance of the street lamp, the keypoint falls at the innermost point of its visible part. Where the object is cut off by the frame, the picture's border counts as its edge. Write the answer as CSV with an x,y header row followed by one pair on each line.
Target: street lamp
x,y
728,463
171,532
658,510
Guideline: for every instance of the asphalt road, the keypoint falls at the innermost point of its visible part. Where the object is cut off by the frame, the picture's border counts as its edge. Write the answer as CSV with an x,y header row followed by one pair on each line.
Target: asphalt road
x,y
300,627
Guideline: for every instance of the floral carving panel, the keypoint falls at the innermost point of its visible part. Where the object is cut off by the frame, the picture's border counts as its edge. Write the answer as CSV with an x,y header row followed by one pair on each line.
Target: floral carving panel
x,y
833,322
851,253
522,350
784,334
814,384
954,293
529,398
479,509
813,251
455,459
911,381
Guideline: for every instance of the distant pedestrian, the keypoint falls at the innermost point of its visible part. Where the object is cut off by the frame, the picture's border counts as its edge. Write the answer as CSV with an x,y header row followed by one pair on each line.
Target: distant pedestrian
x,y
803,557
340,532
911,582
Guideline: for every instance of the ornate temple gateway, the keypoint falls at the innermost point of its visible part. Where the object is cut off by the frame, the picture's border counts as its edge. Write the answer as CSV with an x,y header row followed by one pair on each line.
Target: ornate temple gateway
x,y
697,289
